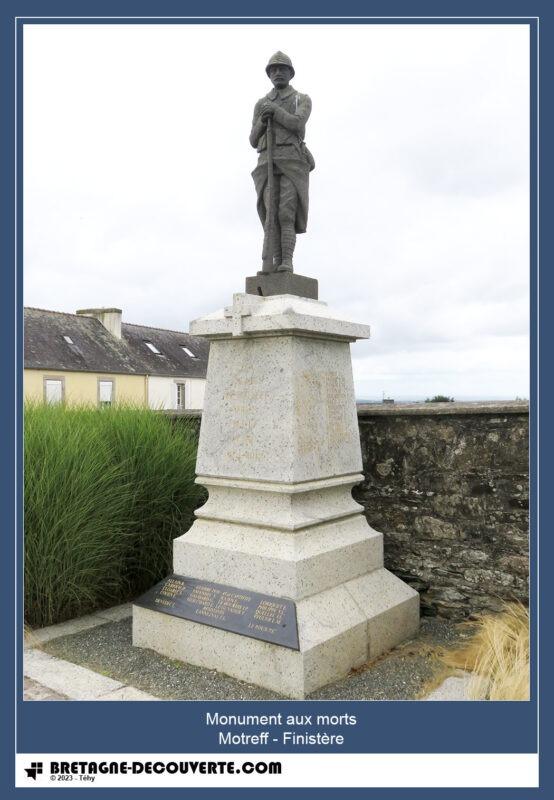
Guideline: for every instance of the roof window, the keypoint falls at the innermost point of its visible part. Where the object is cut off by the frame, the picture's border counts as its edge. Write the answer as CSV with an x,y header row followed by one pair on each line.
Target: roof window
x,y
152,347
68,339
188,352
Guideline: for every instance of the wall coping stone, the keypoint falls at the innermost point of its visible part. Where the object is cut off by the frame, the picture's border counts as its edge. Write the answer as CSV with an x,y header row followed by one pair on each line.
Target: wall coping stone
x,y
412,409
443,409
181,412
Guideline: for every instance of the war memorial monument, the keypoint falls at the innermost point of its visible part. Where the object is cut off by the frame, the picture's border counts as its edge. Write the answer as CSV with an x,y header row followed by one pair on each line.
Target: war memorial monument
x,y
280,580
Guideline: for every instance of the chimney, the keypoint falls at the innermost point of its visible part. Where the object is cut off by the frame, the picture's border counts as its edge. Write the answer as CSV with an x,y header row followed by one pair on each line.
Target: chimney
x,y
109,317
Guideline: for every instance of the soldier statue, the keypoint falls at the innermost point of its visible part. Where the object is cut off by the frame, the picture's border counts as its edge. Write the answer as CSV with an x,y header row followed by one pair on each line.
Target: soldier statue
x,y
284,163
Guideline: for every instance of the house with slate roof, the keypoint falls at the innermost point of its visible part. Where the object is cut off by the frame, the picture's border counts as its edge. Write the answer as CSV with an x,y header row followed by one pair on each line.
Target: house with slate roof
x,y
93,357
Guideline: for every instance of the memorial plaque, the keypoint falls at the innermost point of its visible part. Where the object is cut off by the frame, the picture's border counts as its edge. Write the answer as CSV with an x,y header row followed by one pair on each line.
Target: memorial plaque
x,y
260,616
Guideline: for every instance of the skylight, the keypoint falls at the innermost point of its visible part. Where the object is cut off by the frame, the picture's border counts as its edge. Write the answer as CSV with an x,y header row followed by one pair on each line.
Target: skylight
x,y
187,351
153,348
68,339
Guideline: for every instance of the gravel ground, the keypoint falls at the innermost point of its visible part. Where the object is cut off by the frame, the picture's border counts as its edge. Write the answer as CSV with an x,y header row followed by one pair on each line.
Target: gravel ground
x,y
399,675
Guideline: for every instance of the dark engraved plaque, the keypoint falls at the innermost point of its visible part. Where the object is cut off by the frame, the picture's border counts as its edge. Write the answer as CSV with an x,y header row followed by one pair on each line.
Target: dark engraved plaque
x,y
260,616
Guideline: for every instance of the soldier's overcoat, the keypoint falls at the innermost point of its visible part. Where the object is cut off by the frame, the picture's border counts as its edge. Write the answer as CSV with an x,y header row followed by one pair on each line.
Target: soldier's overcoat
x,y
291,157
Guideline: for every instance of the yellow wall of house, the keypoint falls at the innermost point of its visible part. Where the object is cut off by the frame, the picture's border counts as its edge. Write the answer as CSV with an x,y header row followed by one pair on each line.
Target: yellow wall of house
x,y
82,387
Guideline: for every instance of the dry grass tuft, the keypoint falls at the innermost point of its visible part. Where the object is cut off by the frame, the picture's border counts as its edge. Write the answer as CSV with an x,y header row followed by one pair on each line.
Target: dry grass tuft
x,y
29,637
497,656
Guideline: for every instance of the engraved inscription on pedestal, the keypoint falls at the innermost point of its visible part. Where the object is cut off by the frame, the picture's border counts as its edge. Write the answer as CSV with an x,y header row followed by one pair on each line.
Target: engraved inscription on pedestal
x,y
260,616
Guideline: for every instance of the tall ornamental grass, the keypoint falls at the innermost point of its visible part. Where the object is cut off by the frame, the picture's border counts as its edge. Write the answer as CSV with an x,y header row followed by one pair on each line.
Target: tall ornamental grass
x,y
497,655
106,491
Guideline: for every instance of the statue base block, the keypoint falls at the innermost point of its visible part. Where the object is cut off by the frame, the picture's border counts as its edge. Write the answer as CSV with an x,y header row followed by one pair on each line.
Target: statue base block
x,y
279,453
339,629
272,283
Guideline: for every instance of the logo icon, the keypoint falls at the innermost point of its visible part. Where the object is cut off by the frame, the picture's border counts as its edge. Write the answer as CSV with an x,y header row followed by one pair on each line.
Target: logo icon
x,y
34,770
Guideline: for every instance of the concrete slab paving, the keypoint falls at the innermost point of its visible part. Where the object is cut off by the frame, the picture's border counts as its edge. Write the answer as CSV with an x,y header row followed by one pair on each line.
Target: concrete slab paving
x,y
76,682
92,658
399,675
453,688
116,613
127,693
32,690
34,638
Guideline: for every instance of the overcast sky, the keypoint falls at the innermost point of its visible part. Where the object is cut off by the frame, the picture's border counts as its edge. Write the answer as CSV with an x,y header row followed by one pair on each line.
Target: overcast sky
x,y
138,193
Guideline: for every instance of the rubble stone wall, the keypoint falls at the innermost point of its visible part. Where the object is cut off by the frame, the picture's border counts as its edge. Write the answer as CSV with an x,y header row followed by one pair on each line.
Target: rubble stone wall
x,y
447,485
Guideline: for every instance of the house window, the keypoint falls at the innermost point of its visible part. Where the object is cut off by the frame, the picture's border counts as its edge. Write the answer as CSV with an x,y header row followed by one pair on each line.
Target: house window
x,y
181,401
105,393
53,390
152,347
188,352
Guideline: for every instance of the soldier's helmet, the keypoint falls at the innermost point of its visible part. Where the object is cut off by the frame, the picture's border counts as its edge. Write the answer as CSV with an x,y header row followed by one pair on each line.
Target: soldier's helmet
x,y
279,58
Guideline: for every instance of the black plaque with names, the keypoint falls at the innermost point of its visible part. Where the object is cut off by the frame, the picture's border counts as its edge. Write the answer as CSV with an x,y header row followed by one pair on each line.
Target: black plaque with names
x,y
260,616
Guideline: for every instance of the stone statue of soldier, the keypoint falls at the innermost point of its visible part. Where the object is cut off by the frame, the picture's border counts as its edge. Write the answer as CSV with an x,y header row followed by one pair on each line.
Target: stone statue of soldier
x,y
282,115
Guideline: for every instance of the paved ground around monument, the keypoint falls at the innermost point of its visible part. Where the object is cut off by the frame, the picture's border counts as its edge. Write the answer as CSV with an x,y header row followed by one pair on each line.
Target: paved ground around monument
x,y
93,659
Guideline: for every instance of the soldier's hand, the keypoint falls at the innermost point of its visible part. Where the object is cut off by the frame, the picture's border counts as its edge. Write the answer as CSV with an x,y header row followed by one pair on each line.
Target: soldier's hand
x,y
268,109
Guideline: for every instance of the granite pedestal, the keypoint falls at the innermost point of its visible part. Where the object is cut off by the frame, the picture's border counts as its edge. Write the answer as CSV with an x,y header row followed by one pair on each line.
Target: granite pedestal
x,y
274,283
279,453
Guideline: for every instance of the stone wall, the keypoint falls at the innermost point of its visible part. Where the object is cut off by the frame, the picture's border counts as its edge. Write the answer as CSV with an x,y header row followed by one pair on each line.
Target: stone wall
x,y
447,484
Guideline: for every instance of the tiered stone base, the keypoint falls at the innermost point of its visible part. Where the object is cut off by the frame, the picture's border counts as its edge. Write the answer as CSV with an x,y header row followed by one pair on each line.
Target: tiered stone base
x,y
279,453
339,629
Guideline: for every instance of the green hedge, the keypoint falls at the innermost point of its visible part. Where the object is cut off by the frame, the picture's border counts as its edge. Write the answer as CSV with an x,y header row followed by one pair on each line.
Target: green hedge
x,y
106,492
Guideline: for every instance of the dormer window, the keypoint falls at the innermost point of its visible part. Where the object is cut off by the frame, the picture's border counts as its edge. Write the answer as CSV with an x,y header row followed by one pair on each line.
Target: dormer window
x,y
189,353
152,348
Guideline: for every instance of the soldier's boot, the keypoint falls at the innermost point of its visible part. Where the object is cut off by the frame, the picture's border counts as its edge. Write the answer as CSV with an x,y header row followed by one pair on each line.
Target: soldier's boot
x,y
288,242
277,253
277,256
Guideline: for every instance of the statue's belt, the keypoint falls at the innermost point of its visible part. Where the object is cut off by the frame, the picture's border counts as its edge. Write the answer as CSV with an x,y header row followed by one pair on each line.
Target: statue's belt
x,y
281,144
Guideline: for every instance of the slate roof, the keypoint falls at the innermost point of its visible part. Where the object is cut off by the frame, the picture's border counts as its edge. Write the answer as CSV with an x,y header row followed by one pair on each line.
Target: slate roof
x,y
94,349
173,360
